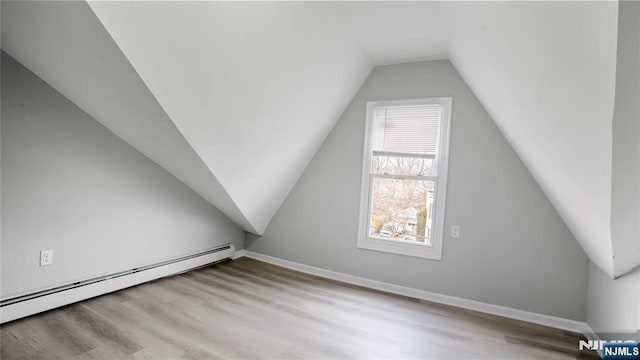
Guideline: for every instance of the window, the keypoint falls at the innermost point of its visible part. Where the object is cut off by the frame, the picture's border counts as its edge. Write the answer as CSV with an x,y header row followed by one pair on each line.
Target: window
x,y
404,176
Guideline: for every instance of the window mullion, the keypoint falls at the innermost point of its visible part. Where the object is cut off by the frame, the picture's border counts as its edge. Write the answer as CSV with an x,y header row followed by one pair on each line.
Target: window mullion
x,y
404,155
402,177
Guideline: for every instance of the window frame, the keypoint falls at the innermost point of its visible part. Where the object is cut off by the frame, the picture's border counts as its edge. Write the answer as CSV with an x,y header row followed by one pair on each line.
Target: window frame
x,y
433,251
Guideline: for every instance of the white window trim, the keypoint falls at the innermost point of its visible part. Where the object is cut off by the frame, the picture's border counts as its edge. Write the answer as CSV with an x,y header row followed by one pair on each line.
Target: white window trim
x,y
433,251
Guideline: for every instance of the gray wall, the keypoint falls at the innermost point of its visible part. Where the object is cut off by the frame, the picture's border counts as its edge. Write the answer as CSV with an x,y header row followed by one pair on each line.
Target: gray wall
x,y
70,185
625,181
514,249
613,309
613,306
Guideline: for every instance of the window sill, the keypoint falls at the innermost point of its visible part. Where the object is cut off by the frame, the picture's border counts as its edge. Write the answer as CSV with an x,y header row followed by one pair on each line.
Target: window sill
x,y
402,248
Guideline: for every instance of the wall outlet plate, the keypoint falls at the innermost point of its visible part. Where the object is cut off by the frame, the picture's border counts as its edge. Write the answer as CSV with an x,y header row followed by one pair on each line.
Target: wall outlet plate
x,y
46,257
455,232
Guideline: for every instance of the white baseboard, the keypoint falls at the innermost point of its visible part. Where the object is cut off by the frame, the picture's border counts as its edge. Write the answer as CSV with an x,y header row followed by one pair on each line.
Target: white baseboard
x,y
238,254
541,319
592,335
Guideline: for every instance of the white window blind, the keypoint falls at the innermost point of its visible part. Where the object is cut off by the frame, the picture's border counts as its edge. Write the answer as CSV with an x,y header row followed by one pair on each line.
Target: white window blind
x,y
411,129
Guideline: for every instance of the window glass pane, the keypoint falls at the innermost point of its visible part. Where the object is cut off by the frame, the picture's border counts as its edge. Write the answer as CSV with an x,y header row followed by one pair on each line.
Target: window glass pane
x,y
398,165
402,210
407,128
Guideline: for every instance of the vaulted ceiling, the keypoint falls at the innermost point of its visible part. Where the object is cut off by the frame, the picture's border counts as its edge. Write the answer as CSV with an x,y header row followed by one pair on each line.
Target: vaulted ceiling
x,y
545,72
234,99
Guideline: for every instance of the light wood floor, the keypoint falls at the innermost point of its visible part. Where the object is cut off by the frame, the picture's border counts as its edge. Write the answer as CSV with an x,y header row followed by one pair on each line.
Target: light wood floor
x,y
247,309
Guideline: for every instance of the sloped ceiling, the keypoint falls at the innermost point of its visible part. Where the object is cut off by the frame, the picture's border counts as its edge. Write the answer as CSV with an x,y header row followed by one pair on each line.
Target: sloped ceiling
x,y
255,87
545,71
65,45
233,101
249,90
392,33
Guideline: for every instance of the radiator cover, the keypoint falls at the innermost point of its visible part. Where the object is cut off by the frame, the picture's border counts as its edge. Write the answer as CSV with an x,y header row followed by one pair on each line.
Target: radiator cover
x,y
32,303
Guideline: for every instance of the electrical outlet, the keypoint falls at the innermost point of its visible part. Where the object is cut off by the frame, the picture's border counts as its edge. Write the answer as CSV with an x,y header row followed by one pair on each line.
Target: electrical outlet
x,y
46,257
455,231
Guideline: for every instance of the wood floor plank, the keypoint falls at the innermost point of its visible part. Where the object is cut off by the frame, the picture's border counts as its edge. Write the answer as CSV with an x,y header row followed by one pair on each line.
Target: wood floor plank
x,y
247,309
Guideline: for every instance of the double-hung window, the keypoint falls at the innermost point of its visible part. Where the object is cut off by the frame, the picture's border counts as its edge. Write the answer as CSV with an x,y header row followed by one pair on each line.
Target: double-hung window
x,y
404,176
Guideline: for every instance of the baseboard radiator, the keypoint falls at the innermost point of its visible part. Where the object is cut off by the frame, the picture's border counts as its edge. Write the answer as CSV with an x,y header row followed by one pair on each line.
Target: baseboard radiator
x,y
28,304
